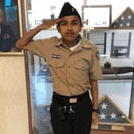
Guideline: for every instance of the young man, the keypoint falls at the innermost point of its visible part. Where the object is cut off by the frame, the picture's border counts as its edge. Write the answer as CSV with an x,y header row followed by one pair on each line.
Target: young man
x,y
75,68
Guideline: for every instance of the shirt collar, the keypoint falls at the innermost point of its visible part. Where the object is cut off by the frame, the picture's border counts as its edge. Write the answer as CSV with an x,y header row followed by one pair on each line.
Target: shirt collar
x,y
60,42
78,44
84,43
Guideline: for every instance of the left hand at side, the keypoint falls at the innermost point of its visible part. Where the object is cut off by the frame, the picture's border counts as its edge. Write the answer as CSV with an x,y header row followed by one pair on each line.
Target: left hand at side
x,y
94,118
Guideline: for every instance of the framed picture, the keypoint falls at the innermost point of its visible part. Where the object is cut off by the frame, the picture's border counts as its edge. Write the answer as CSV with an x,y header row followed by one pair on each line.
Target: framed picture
x,y
10,27
96,16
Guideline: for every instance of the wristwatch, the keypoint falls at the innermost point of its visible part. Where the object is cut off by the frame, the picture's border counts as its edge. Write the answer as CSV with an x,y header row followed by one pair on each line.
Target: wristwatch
x,y
96,110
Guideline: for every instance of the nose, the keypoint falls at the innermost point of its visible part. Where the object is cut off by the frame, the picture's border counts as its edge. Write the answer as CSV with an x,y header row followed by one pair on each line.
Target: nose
x,y
69,26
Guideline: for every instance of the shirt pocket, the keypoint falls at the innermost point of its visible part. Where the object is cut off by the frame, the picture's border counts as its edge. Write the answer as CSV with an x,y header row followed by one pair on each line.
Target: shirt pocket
x,y
57,70
81,70
81,65
56,63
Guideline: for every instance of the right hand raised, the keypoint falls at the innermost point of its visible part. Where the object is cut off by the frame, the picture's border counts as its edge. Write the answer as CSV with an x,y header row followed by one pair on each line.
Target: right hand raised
x,y
24,41
50,23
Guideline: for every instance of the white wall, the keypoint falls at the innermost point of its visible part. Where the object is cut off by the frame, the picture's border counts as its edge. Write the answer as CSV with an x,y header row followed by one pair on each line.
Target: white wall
x,y
117,6
13,99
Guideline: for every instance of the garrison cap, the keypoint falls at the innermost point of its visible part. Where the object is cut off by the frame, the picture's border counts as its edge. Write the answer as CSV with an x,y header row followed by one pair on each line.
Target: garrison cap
x,y
68,10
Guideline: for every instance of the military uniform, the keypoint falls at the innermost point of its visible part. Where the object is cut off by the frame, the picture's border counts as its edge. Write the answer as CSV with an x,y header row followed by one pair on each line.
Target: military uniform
x,y
7,38
71,71
71,74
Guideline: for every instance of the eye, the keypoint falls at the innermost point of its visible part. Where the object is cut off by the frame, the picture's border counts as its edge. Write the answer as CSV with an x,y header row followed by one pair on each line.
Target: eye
x,y
75,23
63,23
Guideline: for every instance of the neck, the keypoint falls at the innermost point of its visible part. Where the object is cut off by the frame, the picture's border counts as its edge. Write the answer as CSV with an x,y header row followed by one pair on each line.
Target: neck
x,y
71,43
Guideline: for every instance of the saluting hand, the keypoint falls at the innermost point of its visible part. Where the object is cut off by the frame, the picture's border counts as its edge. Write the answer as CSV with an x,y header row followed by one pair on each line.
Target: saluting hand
x,y
24,41
50,23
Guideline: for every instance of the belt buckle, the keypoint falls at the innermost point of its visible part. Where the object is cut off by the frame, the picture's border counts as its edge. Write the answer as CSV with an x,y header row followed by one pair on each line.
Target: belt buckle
x,y
73,100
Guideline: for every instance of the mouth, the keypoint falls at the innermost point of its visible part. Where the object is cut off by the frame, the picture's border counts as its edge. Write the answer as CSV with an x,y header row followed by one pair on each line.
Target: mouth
x,y
70,34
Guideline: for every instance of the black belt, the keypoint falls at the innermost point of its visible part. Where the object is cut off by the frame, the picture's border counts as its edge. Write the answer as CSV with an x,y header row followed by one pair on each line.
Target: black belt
x,y
66,100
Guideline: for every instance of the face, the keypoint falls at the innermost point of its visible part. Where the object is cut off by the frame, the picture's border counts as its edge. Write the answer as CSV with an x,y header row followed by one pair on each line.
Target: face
x,y
69,28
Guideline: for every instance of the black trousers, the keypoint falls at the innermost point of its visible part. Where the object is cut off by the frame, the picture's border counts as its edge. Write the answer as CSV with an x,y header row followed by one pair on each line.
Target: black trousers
x,y
76,122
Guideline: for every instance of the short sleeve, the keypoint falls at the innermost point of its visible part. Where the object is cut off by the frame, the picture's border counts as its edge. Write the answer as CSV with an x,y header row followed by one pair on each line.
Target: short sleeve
x,y
37,47
41,47
96,71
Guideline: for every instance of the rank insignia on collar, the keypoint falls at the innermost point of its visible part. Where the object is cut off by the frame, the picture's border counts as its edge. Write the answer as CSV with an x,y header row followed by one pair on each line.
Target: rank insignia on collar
x,y
57,56
97,55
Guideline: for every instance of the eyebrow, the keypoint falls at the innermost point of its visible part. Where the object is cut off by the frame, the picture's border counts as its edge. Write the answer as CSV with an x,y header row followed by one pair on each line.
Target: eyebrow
x,y
63,21
67,21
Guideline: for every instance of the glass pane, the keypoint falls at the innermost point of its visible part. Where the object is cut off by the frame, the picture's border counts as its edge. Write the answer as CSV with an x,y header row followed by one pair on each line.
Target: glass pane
x,y
41,88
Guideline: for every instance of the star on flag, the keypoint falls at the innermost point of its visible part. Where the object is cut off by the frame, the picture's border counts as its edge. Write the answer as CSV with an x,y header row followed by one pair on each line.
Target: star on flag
x,y
122,18
129,17
104,106
128,24
102,116
113,115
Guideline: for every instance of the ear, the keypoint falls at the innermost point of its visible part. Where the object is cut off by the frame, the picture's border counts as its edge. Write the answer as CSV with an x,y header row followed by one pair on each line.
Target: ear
x,y
82,25
80,28
58,28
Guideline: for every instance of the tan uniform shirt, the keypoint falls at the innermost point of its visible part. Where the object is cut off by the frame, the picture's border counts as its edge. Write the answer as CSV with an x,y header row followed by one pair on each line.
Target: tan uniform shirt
x,y
71,71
